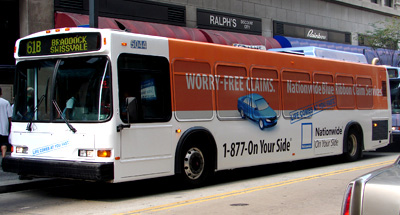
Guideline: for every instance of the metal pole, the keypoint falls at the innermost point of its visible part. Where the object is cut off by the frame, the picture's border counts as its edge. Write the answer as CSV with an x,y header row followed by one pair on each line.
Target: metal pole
x,y
94,13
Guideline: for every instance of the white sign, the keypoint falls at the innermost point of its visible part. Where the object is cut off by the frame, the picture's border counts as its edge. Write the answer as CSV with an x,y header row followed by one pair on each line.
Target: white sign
x,y
317,34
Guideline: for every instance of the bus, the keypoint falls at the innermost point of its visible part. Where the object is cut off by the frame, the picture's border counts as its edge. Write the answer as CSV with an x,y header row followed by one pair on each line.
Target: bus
x,y
394,83
113,106
319,52
395,98
394,72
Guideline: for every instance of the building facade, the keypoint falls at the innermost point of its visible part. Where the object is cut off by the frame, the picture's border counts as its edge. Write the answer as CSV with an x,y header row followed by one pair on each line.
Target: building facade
x,y
336,21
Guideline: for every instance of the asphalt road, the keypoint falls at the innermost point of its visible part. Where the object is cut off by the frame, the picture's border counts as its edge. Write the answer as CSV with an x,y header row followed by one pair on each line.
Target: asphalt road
x,y
314,186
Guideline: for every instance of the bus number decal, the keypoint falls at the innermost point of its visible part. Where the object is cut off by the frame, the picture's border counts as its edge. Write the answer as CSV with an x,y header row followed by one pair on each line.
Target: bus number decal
x,y
138,44
33,47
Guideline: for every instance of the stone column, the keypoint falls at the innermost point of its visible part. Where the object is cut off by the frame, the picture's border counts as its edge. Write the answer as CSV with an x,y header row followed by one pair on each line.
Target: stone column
x,y
35,15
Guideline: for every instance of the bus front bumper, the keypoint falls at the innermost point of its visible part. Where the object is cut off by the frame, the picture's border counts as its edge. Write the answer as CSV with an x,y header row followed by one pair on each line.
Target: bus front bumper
x,y
59,169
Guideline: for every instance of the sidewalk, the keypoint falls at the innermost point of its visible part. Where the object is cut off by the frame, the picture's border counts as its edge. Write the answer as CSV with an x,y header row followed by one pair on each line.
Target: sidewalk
x,y
10,182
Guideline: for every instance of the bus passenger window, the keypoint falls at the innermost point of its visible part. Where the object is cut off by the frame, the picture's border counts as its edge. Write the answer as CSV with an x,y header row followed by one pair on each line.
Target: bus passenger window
x,y
147,79
344,92
297,96
193,79
363,92
265,82
228,95
324,91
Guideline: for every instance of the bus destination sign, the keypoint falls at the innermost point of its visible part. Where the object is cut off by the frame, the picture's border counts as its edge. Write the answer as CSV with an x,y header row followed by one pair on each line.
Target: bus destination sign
x,y
60,44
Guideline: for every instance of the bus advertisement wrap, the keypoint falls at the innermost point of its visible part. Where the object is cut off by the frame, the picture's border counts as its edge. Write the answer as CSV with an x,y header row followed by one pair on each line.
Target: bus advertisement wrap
x,y
143,106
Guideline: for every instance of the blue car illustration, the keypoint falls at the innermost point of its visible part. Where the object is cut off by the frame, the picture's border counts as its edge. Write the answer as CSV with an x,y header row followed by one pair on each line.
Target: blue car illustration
x,y
254,107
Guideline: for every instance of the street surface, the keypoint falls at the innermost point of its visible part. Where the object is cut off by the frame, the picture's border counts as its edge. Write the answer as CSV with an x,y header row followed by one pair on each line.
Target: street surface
x,y
313,186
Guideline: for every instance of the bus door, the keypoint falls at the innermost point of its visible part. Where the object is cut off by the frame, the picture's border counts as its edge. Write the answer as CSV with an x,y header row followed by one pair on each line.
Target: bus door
x,y
146,139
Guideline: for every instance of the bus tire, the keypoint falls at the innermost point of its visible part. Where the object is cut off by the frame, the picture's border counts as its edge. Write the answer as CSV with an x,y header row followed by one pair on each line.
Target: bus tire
x,y
196,165
353,145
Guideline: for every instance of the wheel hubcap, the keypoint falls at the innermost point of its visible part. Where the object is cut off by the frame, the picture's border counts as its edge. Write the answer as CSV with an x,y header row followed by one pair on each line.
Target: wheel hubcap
x,y
193,163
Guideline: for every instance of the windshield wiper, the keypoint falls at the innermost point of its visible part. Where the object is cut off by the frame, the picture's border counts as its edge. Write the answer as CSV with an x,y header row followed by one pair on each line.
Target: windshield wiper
x,y
65,120
44,96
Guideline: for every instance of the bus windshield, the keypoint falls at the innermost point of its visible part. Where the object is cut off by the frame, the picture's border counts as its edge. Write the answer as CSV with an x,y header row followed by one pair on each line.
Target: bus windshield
x,y
79,86
395,95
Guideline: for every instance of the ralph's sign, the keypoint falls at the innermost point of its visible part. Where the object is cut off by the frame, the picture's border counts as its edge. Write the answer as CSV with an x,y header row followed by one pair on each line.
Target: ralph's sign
x,y
229,22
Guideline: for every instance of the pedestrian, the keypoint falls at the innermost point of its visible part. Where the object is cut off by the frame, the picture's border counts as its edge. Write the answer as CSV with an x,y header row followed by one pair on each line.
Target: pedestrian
x,y
5,123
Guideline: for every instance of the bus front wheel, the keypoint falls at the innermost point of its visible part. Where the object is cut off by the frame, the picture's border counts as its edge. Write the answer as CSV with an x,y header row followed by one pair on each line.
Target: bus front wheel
x,y
353,144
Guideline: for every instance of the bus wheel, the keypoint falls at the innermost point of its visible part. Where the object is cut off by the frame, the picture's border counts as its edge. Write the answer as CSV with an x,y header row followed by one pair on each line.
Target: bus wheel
x,y
353,145
196,167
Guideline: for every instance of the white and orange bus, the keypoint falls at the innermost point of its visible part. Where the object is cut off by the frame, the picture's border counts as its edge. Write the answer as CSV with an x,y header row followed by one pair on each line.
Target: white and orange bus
x,y
106,105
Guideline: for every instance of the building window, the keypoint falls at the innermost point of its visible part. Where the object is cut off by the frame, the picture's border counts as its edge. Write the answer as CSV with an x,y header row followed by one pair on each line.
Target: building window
x,y
388,3
374,1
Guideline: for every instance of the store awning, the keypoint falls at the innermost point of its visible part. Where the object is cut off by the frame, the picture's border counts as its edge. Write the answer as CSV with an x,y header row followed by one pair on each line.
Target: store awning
x,y
229,38
77,20
63,19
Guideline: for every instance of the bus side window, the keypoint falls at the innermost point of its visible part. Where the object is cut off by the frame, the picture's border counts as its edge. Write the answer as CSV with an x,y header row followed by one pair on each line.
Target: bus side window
x,y
265,82
227,96
193,79
297,96
147,79
364,94
344,92
324,91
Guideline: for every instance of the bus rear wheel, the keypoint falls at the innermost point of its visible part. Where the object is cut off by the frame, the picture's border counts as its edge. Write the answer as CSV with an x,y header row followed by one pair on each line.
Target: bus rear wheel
x,y
353,144
196,166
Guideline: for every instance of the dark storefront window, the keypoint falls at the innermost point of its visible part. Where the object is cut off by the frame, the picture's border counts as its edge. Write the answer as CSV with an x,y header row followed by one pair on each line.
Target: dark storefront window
x,y
309,32
9,28
147,11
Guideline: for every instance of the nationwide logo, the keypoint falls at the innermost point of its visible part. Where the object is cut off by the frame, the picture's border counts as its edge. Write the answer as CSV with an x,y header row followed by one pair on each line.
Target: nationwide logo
x,y
327,132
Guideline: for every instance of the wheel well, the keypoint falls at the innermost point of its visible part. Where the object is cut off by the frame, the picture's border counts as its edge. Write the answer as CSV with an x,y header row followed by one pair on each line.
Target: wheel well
x,y
353,126
201,137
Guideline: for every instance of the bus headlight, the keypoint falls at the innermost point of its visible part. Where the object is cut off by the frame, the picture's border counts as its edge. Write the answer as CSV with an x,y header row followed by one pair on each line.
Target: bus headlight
x,y
103,153
21,149
85,153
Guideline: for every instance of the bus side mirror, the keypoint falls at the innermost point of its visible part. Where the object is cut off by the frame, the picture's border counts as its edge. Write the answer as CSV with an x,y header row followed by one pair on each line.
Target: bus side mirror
x,y
131,103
